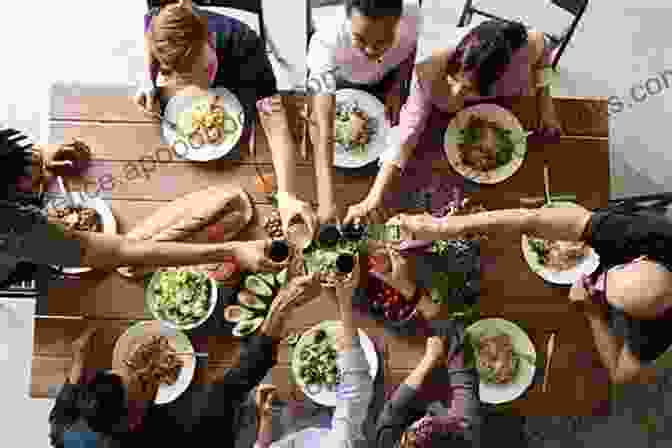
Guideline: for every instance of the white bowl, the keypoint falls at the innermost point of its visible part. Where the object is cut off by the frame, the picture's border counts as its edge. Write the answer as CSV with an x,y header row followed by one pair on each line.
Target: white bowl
x,y
149,295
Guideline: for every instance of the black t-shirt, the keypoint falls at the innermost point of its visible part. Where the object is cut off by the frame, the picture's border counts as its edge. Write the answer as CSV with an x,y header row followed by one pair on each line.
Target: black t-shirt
x,y
619,238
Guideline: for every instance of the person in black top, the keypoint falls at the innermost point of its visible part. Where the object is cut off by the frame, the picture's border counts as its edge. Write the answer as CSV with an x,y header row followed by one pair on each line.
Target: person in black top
x,y
108,407
25,231
628,301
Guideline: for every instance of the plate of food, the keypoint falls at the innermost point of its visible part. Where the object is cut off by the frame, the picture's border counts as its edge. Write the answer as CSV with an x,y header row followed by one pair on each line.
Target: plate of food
x,y
85,214
361,129
254,301
156,352
181,298
314,361
485,143
208,125
559,262
505,359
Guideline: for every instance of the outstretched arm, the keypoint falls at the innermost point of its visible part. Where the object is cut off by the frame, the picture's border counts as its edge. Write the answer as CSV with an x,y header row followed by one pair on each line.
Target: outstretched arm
x,y
566,224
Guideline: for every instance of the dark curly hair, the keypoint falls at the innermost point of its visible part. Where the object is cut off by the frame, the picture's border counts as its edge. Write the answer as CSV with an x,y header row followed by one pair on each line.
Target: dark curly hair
x,y
103,402
18,207
487,49
375,8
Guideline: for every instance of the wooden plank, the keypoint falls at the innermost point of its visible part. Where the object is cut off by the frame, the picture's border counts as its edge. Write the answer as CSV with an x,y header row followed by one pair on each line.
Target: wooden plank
x,y
588,179
129,141
578,116
168,181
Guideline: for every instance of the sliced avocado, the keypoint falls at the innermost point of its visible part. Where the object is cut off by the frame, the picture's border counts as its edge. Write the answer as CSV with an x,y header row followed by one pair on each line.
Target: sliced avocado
x,y
282,277
257,285
247,327
249,299
268,278
235,313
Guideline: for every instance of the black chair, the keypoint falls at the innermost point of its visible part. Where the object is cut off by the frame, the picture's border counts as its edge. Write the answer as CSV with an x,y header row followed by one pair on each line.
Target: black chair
x,y
660,203
253,6
574,7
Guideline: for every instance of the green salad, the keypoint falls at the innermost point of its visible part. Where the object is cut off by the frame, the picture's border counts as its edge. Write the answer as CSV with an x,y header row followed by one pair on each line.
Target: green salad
x,y
180,296
317,362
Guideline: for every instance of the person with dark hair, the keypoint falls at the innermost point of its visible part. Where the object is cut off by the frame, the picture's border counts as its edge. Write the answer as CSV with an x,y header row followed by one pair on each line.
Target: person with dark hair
x,y
416,415
493,59
115,408
369,45
186,45
627,301
25,232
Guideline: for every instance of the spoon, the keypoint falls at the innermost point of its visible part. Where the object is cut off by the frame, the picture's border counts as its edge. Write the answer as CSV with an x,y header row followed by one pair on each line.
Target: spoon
x,y
65,192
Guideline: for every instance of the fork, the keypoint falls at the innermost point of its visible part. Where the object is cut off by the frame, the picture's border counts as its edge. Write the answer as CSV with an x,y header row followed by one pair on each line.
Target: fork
x,y
170,124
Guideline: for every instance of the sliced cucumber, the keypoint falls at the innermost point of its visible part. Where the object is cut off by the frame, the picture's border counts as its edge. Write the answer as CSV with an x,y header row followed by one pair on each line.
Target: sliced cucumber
x,y
282,277
268,278
248,299
257,285
247,327
235,314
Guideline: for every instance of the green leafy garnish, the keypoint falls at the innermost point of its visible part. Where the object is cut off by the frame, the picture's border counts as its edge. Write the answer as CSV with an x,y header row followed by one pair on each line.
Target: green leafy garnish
x,y
539,248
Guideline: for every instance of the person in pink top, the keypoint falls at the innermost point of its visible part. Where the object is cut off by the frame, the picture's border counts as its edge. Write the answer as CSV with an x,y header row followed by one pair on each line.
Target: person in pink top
x,y
494,59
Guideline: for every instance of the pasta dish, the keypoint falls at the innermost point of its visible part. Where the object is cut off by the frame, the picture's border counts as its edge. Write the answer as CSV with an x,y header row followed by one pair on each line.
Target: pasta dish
x,y
155,362
558,255
77,219
354,128
497,361
209,123
485,146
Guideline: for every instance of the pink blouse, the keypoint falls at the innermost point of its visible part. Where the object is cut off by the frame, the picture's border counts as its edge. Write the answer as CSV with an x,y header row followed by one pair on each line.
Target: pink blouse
x,y
415,114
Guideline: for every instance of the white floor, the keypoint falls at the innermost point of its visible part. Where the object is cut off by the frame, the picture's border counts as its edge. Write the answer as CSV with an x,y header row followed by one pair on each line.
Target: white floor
x,y
617,46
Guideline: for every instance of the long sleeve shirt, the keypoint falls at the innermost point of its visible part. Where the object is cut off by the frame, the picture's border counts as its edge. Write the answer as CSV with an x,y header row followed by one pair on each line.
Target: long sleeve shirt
x,y
406,408
204,410
427,93
354,396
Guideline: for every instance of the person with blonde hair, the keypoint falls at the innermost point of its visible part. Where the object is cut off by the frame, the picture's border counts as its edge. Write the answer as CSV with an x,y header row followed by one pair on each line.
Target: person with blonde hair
x,y
187,46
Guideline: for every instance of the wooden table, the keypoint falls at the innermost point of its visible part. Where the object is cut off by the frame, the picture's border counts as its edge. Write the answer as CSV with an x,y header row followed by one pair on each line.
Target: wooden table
x,y
122,138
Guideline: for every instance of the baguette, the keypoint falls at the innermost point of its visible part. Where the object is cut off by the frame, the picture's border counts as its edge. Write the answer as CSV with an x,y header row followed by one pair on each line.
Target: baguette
x,y
215,213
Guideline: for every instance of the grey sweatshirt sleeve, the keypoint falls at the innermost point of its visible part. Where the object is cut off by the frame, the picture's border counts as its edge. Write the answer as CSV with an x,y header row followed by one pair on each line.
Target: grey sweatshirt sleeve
x,y
354,396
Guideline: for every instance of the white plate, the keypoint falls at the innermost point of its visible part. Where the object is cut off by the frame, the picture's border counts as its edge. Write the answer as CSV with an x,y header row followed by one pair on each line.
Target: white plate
x,y
137,334
502,393
505,120
100,206
184,103
587,266
326,397
149,295
374,108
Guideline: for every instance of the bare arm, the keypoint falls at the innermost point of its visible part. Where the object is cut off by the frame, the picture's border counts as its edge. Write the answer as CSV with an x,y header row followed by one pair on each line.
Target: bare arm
x,y
566,223
540,61
283,147
324,116
616,356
